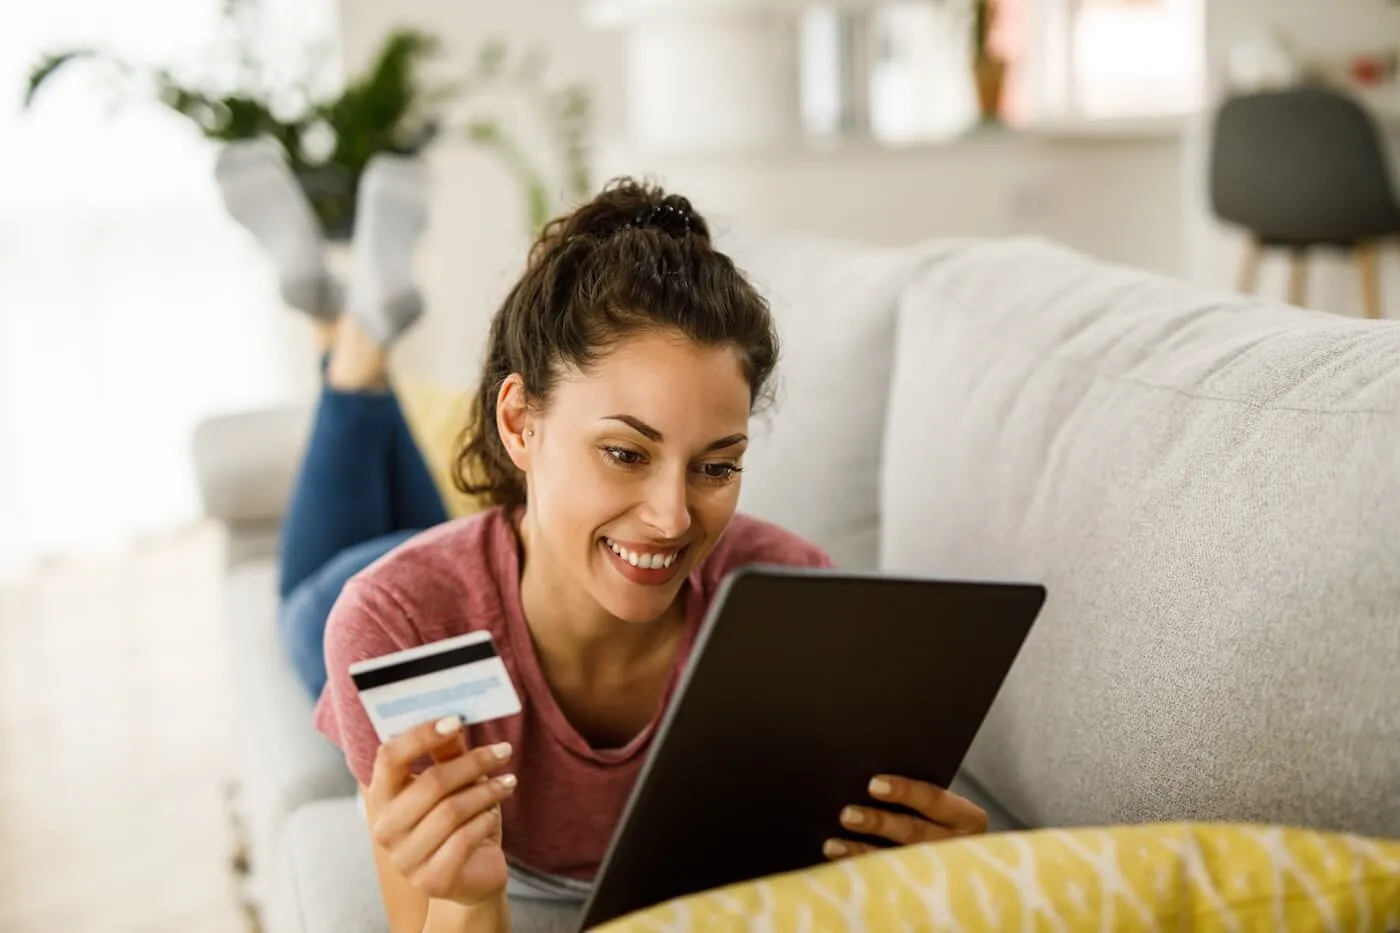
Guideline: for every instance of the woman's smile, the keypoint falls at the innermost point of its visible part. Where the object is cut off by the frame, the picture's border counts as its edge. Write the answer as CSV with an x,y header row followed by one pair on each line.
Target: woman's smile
x,y
644,564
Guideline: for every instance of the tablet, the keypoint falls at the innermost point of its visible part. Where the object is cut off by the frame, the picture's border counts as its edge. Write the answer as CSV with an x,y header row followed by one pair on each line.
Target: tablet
x,y
802,686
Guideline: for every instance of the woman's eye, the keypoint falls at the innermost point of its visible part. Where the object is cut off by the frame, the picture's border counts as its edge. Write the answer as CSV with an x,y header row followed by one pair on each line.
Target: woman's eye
x,y
720,472
622,456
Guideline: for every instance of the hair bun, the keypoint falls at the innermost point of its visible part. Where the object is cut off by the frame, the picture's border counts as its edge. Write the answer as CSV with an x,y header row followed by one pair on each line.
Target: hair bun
x,y
674,216
625,204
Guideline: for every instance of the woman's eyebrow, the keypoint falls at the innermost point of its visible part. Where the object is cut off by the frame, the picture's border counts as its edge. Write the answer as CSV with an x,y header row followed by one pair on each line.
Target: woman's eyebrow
x,y
732,440
656,437
638,425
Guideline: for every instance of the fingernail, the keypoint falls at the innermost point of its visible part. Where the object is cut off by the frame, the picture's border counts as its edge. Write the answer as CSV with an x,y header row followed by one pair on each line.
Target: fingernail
x,y
448,725
852,816
507,781
881,787
834,848
501,751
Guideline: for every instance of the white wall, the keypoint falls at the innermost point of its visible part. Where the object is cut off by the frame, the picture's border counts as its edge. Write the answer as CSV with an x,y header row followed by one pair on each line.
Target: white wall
x,y
1114,197
477,234
1334,27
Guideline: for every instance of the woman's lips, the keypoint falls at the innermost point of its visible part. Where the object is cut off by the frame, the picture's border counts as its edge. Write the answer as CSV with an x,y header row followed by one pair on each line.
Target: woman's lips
x,y
645,575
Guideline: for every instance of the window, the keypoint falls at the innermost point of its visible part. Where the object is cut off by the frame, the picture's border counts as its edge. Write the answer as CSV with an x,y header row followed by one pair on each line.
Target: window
x,y
1118,58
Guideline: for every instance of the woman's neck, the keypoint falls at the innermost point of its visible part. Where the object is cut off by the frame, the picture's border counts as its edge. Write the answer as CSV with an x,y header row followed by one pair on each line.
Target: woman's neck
x,y
568,623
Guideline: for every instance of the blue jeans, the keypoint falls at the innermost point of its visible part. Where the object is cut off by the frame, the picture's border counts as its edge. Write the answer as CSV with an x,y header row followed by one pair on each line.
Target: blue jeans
x,y
363,490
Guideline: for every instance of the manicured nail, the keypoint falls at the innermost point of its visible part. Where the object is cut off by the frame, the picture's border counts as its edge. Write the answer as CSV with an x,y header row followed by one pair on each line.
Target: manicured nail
x,y
881,787
448,725
834,848
507,781
501,751
852,816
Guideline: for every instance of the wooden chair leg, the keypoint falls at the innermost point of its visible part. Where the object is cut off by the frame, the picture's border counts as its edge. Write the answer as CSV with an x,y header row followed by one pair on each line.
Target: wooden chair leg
x,y
1249,266
1298,277
1368,265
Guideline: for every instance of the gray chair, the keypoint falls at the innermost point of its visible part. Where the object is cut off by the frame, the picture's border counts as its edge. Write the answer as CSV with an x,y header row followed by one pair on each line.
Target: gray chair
x,y
1301,169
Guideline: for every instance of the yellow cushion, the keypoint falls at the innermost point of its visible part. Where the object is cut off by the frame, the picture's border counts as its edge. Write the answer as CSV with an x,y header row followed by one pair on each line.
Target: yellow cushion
x,y
1156,877
437,414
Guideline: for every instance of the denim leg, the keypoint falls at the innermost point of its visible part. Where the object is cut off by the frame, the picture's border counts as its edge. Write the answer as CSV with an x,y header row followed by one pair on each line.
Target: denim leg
x,y
301,619
415,500
361,478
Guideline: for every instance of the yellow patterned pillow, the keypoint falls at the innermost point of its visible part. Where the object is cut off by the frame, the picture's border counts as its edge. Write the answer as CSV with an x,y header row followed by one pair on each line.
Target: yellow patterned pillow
x,y
1157,877
437,414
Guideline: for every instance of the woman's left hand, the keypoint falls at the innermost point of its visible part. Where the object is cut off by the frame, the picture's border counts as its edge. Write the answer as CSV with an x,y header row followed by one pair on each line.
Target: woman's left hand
x,y
942,814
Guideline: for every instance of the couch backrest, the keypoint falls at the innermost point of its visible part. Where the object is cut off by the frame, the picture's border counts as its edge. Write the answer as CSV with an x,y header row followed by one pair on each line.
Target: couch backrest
x,y
814,461
1207,485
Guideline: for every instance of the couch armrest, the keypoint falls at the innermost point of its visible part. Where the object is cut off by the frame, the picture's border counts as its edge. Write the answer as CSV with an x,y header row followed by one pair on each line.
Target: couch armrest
x,y
325,880
246,463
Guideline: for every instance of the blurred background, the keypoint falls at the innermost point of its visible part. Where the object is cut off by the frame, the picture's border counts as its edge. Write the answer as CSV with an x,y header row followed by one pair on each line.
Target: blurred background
x,y
132,307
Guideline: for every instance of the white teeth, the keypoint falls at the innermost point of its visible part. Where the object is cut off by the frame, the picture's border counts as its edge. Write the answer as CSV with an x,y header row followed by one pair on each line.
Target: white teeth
x,y
642,561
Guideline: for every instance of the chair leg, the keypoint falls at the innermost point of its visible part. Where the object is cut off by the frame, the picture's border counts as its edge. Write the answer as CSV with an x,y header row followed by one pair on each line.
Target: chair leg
x,y
1249,266
1298,277
1368,265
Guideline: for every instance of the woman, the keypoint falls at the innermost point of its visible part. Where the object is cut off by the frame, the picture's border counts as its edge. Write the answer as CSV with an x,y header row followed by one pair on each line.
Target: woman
x,y
609,432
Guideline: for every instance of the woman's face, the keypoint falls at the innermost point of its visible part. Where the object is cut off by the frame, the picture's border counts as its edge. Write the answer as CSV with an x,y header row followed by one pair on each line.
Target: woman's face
x,y
633,470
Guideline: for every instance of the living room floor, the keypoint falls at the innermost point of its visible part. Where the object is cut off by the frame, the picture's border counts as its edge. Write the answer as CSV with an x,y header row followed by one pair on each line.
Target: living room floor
x,y
113,739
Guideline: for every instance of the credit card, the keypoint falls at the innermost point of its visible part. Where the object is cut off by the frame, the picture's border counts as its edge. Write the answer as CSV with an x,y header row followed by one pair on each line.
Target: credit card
x,y
461,676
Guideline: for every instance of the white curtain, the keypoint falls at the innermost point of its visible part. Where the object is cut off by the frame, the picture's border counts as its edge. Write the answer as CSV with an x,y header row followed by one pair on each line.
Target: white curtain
x,y
130,305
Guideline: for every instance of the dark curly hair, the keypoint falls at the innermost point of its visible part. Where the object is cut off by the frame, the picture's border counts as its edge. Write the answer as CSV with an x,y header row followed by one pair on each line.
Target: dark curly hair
x,y
633,259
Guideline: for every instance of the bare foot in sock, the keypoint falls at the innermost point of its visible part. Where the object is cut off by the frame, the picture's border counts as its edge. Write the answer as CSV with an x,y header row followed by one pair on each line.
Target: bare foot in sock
x,y
390,217
261,193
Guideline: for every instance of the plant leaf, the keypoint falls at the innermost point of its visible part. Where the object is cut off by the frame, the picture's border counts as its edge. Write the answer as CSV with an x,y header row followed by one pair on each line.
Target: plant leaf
x,y
47,67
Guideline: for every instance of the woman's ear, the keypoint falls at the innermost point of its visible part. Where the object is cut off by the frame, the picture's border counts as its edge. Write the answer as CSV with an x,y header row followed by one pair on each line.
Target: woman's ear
x,y
513,420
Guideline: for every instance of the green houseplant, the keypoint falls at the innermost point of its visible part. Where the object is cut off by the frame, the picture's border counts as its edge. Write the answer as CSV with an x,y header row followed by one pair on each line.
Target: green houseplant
x,y
392,106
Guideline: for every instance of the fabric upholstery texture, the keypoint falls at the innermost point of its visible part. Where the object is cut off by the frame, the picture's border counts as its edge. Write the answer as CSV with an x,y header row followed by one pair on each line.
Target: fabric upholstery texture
x,y
1205,483
281,761
327,883
1144,878
246,462
834,304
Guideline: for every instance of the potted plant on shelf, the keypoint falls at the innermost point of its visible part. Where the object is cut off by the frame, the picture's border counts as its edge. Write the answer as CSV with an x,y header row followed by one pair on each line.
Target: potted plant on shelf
x,y
988,66
390,107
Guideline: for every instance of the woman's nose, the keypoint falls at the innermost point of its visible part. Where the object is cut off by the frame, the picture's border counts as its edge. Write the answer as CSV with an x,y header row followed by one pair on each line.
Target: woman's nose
x,y
667,507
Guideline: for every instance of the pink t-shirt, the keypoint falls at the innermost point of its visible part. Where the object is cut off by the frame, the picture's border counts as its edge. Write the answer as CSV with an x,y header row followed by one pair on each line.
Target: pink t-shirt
x,y
464,576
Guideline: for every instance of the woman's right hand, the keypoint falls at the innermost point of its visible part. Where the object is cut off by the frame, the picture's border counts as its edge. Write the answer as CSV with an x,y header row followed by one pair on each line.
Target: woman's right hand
x,y
442,828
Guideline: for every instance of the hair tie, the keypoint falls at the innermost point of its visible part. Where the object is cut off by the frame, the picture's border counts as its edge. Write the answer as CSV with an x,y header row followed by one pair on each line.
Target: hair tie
x,y
666,217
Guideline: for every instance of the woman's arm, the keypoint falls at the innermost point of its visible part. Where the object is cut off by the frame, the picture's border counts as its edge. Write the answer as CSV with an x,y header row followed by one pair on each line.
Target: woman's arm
x,y
411,911
436,837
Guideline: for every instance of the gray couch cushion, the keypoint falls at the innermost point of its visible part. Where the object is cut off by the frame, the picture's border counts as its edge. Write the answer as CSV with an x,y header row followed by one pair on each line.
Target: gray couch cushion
x,y
246,462
282,761
327,882
813,465
1208,486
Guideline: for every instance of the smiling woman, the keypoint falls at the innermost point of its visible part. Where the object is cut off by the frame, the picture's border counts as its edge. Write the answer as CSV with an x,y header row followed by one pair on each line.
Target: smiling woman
x,y
609,435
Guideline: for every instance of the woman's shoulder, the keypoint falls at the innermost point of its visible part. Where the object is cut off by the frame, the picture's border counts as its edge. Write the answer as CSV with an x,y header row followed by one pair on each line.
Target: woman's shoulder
x,y
459,548
443,582
750,540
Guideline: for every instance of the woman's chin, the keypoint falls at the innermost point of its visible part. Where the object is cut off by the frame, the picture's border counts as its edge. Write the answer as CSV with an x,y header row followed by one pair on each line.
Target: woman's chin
x,y
636,608
634,603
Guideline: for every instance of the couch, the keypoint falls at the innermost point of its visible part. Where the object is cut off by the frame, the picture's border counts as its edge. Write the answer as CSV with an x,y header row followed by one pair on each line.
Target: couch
x,y
1205,482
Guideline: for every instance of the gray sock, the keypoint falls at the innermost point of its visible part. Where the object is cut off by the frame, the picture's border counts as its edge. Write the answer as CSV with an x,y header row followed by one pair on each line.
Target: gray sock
x,y
390,216
261,193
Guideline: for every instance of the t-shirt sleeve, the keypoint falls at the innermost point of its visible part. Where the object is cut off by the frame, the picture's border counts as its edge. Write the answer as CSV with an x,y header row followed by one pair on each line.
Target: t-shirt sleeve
x,y
366,622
